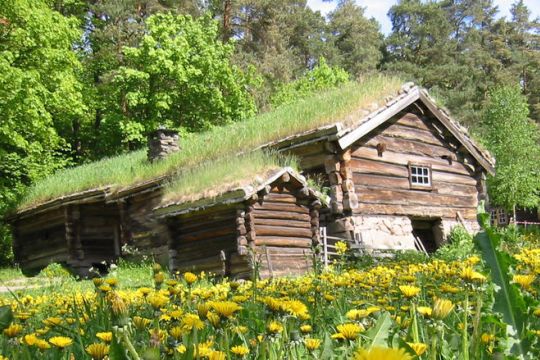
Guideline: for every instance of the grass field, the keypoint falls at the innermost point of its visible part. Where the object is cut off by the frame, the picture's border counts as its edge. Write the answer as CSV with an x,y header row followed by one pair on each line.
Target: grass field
x,y
403,308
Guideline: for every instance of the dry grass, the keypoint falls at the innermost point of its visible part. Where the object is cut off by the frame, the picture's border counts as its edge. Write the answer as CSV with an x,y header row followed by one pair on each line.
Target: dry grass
x,y
126,170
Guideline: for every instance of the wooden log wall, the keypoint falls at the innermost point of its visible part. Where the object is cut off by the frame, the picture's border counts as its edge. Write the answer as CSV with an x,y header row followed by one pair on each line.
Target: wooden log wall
x,y
40,240
379,167
140,229
206,241
98,232
283,228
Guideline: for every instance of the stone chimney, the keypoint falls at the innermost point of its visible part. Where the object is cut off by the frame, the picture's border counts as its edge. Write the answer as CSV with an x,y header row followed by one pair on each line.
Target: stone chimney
x,y
161,143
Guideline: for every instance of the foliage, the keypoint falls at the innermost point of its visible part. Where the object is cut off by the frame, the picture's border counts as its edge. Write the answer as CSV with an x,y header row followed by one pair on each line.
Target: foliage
x,y
39,96
179,76
329,315
321,77
319,109
514,141
460,245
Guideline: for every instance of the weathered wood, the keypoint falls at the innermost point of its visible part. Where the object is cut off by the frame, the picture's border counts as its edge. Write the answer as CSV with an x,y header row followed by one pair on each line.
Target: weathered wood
x,y
281,207
264,213
402,159
413,197
303,224
284,242
283,230
404,132
415,210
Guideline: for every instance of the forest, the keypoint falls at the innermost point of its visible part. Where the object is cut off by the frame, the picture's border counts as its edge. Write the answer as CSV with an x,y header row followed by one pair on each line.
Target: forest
x,y
84,80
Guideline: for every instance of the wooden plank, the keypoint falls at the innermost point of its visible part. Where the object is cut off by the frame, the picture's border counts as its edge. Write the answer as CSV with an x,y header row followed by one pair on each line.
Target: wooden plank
x,y
282,241
398,183
413,197
398,158
404,132
415,210
283,222
408,146
205,234
282,207
264,230
264,213
412,120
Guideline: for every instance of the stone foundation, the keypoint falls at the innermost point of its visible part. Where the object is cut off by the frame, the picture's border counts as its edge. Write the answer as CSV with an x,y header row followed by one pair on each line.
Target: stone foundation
x,y
391,232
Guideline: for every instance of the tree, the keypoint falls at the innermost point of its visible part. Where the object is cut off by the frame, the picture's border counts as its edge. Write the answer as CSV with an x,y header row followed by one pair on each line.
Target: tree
x,y
179,76
40,95
357,40
319,78
514,141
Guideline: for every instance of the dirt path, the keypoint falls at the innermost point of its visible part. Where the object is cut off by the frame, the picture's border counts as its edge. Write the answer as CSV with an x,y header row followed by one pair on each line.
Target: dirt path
x,y
17,284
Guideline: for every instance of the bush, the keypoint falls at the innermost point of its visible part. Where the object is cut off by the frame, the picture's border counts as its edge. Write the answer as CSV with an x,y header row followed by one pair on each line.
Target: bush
x,y
460,245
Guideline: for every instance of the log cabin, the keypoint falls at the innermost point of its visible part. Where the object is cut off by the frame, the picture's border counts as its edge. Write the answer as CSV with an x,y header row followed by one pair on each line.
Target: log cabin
x,y
400,173
274,225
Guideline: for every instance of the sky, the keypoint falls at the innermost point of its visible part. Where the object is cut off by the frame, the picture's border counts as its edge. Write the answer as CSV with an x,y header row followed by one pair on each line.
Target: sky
x,y
379,8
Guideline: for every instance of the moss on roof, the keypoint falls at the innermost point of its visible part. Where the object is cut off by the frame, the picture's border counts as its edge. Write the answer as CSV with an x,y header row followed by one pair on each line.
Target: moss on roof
x,y
129,169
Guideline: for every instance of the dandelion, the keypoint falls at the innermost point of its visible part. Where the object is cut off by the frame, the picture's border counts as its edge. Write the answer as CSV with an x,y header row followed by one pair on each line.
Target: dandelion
x,y
61,341
98,351
52,321
13,330
306,329
441,308
181,348
468,274
275,327
341,247
312,344
190,321
424,311
216,355
409,290
190,277
240,350
349,331
487,338
140,322
157,301
419,348
225,308
525,281
105,336
379,353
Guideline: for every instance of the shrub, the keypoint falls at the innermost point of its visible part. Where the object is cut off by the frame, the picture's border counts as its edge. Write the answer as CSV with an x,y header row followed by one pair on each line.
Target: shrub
x,y
460,245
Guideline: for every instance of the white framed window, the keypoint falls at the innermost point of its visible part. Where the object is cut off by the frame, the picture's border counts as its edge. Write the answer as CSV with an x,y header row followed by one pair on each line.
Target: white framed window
x,y
420,176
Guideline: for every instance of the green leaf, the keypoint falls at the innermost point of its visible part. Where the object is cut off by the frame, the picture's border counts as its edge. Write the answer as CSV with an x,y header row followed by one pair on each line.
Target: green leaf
x,y
509,301
6,316
378,334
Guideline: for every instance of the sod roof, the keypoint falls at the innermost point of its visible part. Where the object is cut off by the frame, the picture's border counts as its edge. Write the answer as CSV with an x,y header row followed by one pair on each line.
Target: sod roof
x,y
132,169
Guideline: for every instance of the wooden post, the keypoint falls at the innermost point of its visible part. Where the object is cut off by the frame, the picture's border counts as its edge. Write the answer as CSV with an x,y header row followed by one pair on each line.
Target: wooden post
x,y
73,234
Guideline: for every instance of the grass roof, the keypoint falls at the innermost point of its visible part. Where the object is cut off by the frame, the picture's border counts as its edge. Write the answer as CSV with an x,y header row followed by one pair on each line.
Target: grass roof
x,y
129,169
215,178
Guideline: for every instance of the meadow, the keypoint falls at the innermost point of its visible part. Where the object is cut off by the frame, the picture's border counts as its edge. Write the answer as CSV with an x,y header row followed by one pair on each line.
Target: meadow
x,y
406,307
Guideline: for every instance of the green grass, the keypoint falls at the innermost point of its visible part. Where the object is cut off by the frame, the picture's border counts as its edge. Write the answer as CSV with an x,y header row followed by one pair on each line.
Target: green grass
x,y
215,178
125,170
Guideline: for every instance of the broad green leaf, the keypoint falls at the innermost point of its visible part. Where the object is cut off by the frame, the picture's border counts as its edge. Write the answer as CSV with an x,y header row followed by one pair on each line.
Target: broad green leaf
x,y
378,334
6,316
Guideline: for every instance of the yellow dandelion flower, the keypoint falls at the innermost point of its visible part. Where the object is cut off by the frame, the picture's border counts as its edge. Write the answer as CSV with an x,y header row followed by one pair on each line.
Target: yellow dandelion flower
x,y
341,247
312,344
409,290
190,321
306,329
140,322
442,308
424,310
216,355
42,344
419,348
225,308
112,282
105,336
275,327
348,331
181,348
240,350
13,330
98,351
144,291
536,312
190,277
118,305
487,338
159,278
157,300
468,274
525,281
52,321
379,353
61,341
